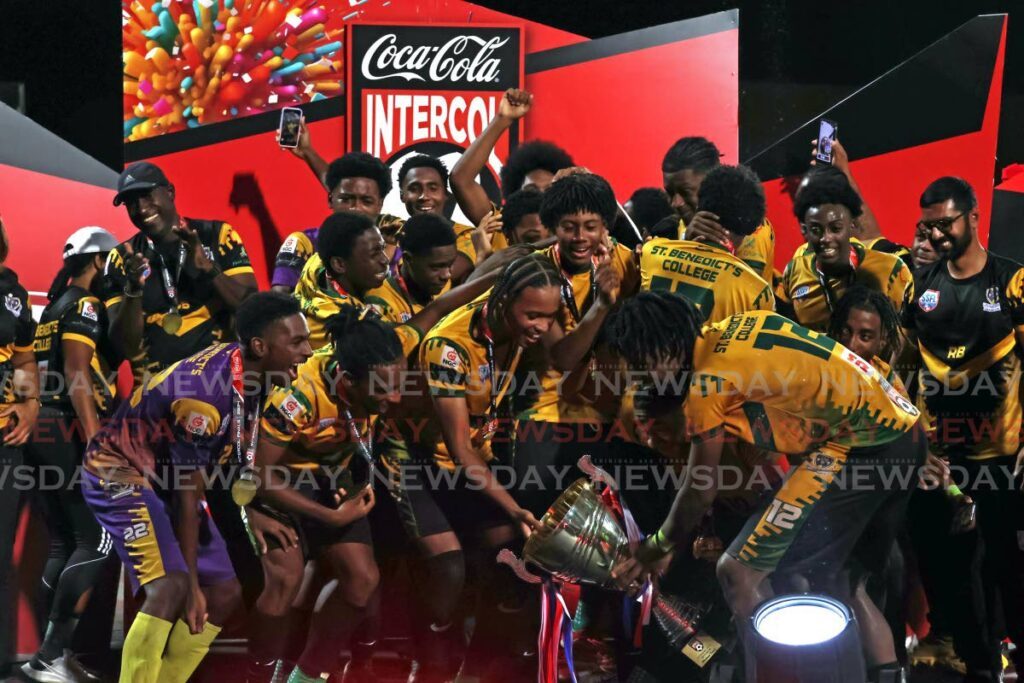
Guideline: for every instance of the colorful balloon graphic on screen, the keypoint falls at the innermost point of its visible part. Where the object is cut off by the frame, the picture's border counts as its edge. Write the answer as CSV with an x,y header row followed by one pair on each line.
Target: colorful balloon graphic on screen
x,y
192,62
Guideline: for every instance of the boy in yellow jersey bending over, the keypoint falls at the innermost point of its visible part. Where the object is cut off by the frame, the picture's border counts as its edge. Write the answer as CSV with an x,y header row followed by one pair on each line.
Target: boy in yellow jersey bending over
x,y
762,379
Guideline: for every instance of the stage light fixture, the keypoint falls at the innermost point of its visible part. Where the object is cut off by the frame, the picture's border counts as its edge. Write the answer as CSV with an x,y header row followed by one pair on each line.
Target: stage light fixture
x,y
805,639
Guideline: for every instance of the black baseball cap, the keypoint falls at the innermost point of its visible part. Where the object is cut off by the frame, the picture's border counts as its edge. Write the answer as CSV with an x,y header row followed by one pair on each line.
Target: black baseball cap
x,y
141,175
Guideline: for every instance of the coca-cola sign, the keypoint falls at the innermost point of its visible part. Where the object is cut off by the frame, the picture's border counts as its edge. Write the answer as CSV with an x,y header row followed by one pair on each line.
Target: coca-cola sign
x,y
462,59
430,89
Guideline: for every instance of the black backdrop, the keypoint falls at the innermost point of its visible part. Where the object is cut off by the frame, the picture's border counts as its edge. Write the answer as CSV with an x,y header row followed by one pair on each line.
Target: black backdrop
x,y
796,56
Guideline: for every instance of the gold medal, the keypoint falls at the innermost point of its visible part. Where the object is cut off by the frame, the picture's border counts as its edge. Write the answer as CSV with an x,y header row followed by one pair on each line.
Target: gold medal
x,y
243,490
171,322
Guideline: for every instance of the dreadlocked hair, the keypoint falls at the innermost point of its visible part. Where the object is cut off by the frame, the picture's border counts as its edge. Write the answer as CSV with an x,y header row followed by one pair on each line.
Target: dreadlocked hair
x,y
694,153
861,298
652,401
73,267
532,270
362,341
651,326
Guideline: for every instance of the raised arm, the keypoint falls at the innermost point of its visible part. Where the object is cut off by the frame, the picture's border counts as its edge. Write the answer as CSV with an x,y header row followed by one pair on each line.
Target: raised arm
x,y
470,195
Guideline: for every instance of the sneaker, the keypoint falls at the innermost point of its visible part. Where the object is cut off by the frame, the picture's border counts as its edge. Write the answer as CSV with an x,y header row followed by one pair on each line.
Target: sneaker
x,y
52,672
938,651
78,671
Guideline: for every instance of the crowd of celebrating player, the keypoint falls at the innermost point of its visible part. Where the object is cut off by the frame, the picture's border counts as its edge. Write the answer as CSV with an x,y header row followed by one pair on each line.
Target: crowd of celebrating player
x,y
414,394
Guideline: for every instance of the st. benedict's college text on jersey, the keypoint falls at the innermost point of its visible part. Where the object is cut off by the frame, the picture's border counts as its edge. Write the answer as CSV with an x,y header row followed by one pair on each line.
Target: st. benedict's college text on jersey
x,y
718,283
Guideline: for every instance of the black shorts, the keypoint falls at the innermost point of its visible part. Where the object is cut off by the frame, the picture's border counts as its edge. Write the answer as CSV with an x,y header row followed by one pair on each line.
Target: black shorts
x,y
313,535
544,456
813,522
431,500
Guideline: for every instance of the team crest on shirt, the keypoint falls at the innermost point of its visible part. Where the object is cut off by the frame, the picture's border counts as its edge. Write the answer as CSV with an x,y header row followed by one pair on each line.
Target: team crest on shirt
x,y
801,291
289,245
485,372
208,252
13,304
404,317
819,462
929,300
196,423
450,358
992,304
89,311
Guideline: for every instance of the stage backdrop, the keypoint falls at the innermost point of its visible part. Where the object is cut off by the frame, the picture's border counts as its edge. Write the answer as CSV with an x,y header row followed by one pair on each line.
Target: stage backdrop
x,y
935,114
616,103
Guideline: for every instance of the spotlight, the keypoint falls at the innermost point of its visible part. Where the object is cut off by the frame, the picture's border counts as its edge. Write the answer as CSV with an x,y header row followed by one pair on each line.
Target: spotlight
x,y
805,639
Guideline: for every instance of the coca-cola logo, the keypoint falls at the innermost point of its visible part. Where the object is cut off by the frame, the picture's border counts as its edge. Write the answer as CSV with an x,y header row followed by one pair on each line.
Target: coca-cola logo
x,y
462,59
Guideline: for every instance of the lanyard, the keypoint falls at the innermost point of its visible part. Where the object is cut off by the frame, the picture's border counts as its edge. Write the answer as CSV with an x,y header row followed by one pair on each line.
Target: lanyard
x,y
826,288
170,285
403,289
248,457
568,295
338,288
365,447
492,408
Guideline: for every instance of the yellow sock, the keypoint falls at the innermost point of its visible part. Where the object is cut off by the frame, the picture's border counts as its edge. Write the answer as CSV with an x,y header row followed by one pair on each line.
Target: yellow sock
x,y
185,651
143,649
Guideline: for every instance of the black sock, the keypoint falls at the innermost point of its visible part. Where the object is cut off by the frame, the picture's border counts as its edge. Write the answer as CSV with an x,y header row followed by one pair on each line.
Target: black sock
x,y
58,636
268,636
890,672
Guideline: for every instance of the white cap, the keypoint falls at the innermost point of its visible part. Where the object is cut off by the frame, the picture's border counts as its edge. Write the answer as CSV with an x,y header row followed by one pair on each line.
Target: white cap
x,y
89,240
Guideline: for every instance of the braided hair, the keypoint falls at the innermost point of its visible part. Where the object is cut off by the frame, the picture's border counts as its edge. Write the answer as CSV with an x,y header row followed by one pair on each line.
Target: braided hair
x,y
861,298
362,341
73,267
651,326
532,270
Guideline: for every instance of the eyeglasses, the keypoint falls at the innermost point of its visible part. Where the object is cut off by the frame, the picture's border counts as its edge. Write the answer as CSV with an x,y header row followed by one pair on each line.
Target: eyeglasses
x,y
943,225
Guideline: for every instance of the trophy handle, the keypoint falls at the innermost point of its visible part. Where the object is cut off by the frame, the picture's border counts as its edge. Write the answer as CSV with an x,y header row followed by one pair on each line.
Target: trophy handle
x,y
596,474
507,557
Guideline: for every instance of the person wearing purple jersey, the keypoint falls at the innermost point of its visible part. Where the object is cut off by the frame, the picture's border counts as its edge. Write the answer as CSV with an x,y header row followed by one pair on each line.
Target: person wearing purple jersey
x,y
144,469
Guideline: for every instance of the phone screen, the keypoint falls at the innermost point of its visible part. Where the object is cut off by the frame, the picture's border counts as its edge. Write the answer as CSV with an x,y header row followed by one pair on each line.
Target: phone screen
x,y
291,120
826,136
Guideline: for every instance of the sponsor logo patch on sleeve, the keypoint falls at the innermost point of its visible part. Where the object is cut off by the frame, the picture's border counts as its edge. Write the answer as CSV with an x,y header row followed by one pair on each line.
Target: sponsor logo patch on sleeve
x,y
450,358
89,311
290,245
196,423
291,407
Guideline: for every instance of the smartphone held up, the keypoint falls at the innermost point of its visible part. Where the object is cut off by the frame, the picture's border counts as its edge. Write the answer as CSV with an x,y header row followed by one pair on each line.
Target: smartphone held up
x,y
290,127
828,131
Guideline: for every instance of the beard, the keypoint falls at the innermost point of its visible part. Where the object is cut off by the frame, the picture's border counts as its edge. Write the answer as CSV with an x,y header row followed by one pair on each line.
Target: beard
x,y
960,243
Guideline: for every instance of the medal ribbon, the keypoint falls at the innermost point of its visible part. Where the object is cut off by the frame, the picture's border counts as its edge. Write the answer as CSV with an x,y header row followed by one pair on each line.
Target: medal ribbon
x,y
485,330
365,447
568,295
170,286
245,456
826,288
555,630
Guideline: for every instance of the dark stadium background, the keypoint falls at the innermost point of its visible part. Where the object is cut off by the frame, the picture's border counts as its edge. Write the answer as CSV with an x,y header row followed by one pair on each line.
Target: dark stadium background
x,y
796,57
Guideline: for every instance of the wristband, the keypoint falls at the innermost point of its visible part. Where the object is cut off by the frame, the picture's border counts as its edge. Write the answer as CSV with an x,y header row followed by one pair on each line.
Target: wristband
x,y
132,295
662,544
953,491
